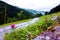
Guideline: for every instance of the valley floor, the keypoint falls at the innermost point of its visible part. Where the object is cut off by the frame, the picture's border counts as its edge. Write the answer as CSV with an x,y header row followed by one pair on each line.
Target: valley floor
x,y
8,29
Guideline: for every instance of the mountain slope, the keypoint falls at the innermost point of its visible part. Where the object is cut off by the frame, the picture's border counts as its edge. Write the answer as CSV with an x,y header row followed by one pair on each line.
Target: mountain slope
x,y
55,9
11,12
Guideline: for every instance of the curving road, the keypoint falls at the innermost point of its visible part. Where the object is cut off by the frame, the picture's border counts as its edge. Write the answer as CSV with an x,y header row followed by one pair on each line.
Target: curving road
x,y
7,29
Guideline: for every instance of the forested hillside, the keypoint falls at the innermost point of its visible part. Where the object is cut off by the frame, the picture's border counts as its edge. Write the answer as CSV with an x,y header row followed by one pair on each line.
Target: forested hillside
x,y
9,13
55,9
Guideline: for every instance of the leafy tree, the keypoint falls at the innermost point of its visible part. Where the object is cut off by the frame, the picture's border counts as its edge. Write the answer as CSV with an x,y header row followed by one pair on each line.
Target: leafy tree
x,y
46,13
39,14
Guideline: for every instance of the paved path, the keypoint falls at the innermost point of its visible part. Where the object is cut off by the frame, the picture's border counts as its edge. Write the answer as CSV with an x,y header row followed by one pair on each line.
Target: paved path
x,y
7,29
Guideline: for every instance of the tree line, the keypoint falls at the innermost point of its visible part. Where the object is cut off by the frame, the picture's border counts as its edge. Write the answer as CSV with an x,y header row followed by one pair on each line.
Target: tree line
x,y
9,13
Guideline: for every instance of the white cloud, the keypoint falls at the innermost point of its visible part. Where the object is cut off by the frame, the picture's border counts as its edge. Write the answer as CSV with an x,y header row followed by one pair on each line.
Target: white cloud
x,y
34,4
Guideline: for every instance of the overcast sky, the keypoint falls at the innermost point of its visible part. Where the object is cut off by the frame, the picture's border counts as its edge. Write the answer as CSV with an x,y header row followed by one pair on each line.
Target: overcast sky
x,y
43,5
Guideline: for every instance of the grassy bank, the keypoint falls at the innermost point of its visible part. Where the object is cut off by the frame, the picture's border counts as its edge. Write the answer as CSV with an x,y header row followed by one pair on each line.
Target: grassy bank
x,y
3,25
32,30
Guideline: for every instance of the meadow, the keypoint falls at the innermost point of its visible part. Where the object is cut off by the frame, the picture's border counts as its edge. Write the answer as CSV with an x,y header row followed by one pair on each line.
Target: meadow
x,y
17,22
32,31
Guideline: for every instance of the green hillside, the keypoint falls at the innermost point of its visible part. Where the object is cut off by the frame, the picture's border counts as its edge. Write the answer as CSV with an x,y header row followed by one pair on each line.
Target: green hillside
x,y
10,13
34,29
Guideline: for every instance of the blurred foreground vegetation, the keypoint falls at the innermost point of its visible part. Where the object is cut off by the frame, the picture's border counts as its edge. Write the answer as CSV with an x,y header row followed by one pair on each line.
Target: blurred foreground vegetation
x,y
30,32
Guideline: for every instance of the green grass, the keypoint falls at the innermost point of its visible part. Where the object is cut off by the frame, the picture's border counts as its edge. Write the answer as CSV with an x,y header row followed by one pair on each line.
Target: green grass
x,y
3,25
35,29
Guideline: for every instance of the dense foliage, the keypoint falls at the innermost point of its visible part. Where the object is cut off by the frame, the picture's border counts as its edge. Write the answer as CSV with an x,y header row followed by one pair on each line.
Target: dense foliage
x,y
49,35
22,34
31,31
9,13
55,9
52,33
46,13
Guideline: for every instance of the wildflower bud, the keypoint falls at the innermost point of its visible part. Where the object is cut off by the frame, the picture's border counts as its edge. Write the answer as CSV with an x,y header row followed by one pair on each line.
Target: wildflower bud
x,y
12,26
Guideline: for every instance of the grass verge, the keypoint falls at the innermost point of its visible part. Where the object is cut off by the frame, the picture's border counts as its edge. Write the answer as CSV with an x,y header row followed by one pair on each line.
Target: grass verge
x,y
3,25
32,30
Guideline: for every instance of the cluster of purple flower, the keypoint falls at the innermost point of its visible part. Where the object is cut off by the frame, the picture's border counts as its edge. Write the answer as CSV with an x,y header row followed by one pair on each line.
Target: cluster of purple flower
x,y
49,35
